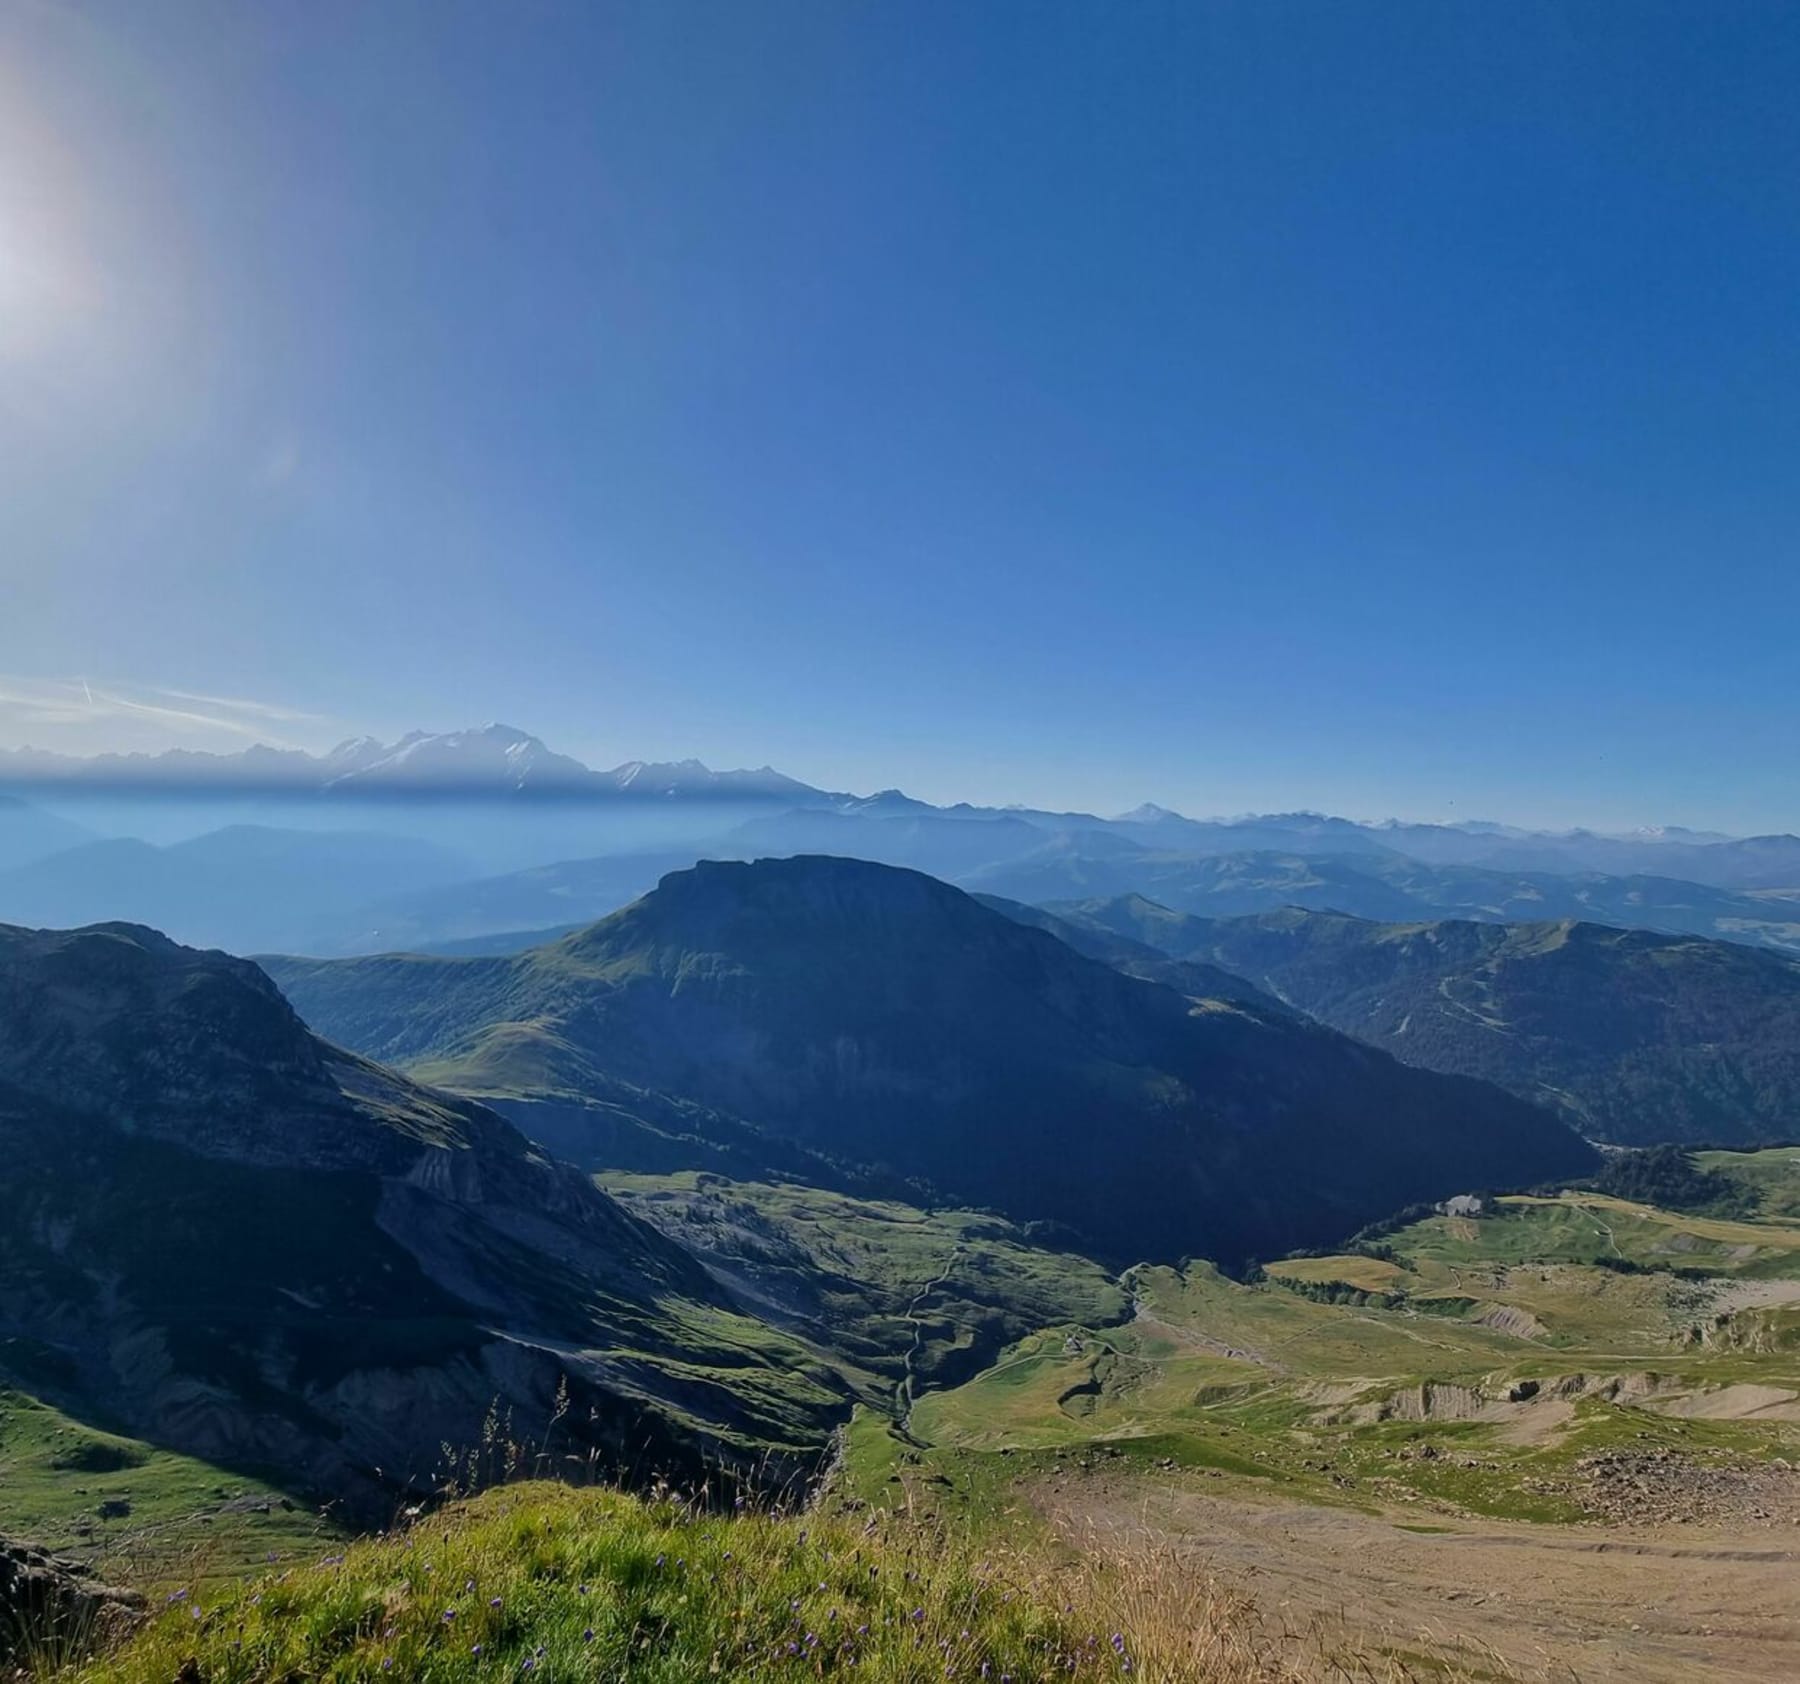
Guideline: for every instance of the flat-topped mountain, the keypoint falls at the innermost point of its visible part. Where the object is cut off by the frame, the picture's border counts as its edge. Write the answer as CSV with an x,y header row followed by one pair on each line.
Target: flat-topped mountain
x,y
871,1017
1634,1037
252,1246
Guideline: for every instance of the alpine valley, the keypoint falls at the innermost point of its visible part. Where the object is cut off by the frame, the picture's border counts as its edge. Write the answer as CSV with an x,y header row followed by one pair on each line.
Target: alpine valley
x,y
1418,1192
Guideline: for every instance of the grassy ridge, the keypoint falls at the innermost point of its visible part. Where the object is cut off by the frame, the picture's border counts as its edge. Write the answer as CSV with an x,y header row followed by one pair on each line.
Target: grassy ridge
x,y
545,1582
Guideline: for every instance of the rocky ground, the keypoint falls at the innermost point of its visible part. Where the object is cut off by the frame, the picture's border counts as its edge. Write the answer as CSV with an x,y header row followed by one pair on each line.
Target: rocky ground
x,y
1662,1487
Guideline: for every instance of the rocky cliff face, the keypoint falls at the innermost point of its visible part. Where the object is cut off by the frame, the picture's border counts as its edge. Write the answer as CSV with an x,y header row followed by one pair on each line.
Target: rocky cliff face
x,y
255,1247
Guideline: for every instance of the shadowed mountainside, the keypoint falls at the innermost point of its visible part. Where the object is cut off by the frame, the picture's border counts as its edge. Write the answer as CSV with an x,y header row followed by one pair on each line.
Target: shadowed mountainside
x,y
860,1015
1632,1036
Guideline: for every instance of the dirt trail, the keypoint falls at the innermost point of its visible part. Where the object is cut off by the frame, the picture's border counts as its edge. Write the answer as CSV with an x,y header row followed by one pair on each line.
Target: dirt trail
x,y
907,1390
1671,1605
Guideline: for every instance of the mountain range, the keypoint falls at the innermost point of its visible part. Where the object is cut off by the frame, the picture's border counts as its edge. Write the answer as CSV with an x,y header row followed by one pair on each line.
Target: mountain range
x,y
1017,860
498,759
338,854
867,1025
1632,1036
237,1240
490,759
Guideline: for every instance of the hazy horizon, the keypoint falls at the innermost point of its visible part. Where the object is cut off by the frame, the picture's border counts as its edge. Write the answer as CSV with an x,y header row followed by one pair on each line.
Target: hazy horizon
x,y
56,793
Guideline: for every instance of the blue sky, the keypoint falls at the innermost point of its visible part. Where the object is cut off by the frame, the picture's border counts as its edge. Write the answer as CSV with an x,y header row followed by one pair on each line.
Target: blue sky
x,y
1383,408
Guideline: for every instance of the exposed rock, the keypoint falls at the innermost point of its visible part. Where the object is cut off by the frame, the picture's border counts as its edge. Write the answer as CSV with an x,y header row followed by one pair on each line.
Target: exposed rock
x,y
1655,1487
53,1609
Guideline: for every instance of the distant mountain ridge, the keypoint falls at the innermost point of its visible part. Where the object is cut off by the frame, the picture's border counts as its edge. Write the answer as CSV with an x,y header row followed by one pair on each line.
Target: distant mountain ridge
x,y
549,842
862,1016
1041,859
1632,1036
249,887
28,833
497,759
490,759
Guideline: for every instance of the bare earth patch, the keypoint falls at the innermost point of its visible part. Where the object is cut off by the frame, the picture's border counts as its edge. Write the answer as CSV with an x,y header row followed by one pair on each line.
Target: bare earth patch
x,y
1756,1295
1743,1402
1652,1604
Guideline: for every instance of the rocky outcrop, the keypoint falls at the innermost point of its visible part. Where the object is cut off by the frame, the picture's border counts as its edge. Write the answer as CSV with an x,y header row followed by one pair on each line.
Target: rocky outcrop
x,y
53,1610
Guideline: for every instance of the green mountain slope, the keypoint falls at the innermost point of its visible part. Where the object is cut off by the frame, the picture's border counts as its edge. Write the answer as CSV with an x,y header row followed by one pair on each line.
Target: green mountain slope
x,y
1634,1037
226,1237
860,1015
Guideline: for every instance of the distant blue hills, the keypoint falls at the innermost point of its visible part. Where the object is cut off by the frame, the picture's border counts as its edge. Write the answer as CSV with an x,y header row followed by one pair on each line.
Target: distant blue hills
x,y
433,842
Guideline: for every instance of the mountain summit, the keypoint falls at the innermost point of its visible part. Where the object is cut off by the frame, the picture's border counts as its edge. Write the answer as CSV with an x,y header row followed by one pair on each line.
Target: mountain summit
x,y
494,757
874,1018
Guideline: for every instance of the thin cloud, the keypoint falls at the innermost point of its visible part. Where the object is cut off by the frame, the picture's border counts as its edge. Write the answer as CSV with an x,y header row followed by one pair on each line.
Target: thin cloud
x,y
84,707
183,716
239,704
